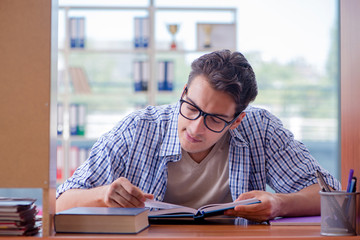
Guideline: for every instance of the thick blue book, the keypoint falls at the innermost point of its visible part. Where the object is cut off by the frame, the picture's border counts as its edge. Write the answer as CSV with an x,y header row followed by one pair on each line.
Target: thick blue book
x,y
101,220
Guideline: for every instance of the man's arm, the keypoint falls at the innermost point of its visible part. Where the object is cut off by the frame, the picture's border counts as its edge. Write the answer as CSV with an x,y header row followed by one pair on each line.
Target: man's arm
x,y
120,193
302,203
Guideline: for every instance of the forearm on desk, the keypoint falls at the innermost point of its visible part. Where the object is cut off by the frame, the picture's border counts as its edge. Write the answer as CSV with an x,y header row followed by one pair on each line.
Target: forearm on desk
x,y
302,203
93,197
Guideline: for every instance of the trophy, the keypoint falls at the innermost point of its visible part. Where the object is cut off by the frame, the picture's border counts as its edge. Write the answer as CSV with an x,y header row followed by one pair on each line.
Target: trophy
x,y
207,29
173,29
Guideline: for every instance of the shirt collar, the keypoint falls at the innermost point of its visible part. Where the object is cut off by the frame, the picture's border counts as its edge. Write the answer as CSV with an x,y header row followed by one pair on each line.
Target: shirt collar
x,y
171,143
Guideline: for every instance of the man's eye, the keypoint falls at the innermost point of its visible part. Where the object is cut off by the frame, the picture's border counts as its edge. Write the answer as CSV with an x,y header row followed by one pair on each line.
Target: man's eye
x,y
215,120
192,109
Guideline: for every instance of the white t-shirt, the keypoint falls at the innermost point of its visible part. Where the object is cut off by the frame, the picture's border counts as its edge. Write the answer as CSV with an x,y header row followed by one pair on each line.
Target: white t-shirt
x,y
195,184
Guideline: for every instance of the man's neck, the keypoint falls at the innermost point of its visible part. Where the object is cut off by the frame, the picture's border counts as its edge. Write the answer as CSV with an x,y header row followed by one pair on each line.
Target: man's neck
x,y
198,157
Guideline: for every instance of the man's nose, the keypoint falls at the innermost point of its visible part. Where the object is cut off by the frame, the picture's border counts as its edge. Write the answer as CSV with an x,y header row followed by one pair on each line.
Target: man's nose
x,y
198,125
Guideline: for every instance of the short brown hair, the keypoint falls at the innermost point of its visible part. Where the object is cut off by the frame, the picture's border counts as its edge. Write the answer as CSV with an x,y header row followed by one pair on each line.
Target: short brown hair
x,y
229,72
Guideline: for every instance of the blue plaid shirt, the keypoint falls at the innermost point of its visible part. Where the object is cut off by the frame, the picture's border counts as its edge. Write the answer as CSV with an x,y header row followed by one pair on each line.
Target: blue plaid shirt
x,y
139,147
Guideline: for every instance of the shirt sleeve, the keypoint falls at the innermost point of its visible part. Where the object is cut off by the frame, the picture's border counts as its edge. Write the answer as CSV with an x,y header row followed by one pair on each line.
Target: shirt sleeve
x,y
290,166
105,163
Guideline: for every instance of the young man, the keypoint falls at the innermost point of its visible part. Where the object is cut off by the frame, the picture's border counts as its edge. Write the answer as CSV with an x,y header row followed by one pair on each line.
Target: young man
x,y
210,147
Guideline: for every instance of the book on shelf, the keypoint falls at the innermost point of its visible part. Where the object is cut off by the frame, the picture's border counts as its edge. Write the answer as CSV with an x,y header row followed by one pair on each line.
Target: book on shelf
x,y
168,210
101,220
294,221
79,80
18,217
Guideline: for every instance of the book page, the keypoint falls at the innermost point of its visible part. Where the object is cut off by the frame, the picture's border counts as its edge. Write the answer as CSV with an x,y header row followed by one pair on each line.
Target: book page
x,y
223,206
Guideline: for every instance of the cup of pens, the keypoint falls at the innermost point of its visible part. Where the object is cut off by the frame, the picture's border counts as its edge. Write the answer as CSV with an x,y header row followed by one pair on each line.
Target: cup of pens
x,y
338,213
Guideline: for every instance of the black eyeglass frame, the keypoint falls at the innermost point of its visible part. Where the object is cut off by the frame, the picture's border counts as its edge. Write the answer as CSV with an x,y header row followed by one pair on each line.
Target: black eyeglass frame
x,y
204,114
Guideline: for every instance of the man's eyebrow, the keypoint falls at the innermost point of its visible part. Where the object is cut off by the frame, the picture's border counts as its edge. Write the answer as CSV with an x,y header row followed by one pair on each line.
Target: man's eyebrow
x,y
214,114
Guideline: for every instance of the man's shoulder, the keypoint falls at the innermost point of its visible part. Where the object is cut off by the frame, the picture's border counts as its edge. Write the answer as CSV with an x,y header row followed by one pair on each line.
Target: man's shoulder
x,y
257,117
258,113
152,113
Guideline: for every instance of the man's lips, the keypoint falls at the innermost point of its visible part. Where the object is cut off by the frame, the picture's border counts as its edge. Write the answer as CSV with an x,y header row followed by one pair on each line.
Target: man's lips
x,y
191,139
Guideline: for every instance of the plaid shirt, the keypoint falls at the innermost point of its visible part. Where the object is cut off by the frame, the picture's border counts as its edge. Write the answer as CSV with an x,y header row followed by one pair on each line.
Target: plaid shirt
x,y
139,147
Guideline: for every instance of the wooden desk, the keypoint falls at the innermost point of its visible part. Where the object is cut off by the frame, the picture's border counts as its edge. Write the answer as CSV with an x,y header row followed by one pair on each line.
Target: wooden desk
x,y
188,232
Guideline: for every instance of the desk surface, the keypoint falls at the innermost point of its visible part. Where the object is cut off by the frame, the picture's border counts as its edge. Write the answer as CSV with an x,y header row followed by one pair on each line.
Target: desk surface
x,y
253,232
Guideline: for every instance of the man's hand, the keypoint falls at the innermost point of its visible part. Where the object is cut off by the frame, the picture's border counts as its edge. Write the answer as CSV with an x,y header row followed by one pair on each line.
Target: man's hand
x,y
268,208
121,193
302,203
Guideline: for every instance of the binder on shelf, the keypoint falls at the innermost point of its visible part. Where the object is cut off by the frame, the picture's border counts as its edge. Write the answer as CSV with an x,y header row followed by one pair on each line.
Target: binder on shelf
x,y
81,33
59,163
79,80
73,159
60,119
80,126
141,75
77,119
77,32
165,75
78,155
73,119
142,32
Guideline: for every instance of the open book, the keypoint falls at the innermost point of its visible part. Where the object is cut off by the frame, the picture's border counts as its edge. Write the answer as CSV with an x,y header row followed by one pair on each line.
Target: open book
x,y
168,210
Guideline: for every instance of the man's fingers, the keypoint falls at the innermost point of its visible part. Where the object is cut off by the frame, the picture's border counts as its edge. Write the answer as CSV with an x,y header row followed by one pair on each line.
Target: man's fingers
x,y
133,191
121,193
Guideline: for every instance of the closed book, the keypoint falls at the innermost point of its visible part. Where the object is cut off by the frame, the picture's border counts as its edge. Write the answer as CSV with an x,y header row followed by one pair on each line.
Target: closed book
x,y
101,220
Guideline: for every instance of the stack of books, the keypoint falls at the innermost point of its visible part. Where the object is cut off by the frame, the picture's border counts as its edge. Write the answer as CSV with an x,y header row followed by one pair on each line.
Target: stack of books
x,y
18,217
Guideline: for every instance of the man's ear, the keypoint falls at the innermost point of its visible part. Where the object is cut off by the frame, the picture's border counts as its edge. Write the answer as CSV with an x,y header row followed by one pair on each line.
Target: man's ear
x,y
237,121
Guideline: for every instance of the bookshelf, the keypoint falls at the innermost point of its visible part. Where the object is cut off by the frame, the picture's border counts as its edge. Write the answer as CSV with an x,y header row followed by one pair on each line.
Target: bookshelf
x,y
116,96
28,63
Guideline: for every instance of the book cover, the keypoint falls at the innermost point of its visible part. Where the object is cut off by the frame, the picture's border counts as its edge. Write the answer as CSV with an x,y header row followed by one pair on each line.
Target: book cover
x,y
168,210
101,220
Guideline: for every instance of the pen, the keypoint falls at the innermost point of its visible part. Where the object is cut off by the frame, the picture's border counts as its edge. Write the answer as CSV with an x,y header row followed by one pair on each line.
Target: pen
x,y
351,174
353,185
323,185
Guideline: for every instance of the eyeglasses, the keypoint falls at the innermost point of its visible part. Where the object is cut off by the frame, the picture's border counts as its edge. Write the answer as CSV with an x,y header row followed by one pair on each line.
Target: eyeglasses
x,y
211,121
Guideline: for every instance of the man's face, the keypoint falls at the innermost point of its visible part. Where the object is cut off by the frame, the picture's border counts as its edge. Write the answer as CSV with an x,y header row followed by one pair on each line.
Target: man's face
x,y
195,137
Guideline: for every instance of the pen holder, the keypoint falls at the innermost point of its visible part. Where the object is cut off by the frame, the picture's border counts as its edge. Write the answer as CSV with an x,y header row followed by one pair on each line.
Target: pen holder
x,y
339,213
